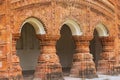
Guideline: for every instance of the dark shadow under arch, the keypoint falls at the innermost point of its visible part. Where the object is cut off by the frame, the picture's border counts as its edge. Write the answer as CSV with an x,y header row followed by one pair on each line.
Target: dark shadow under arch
x,y
28,49
65,48
95,47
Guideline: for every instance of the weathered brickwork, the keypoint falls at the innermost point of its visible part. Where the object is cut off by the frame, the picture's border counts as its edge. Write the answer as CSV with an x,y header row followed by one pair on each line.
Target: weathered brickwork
x,y
47,17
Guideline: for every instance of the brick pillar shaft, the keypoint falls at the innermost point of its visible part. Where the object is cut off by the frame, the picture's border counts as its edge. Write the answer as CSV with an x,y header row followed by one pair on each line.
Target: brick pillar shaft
x,y
83,65
49,67
107,57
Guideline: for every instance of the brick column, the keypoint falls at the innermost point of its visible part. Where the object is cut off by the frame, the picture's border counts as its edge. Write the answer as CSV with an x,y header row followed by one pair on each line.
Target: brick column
x,y
49,67
107,57
83,65
15,70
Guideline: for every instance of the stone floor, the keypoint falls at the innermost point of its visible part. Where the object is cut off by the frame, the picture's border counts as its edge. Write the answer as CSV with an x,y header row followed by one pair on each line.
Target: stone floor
x,y
28,75
101,77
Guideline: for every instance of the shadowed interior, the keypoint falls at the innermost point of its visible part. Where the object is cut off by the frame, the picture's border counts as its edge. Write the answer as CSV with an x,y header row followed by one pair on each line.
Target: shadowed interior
x,y
95,47
65,48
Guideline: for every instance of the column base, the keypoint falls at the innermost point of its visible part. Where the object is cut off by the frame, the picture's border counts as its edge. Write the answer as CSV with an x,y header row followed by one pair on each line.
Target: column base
x,y
7,76
48,71
107,67
106,64
116,70
48,68
83,66
16,77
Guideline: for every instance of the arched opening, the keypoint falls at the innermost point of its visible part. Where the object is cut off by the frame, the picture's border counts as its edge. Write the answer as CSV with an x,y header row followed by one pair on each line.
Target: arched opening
x,y
65,49
95,43
95,47
28,49
65,45
28,46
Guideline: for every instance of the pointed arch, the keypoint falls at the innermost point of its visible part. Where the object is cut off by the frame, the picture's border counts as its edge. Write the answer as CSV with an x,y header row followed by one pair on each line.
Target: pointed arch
x,y
38,26
102,29
74,27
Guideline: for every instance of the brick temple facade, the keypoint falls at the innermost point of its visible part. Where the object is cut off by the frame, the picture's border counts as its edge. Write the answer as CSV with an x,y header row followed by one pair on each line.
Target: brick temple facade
x,y
91,22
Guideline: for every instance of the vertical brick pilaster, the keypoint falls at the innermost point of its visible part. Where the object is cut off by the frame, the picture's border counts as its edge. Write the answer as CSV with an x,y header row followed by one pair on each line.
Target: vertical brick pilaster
x,y
3,61
16,71
10,68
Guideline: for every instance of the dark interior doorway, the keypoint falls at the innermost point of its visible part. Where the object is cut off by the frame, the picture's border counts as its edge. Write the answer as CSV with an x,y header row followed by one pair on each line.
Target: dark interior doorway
x,y
95,47
28,49
65,49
